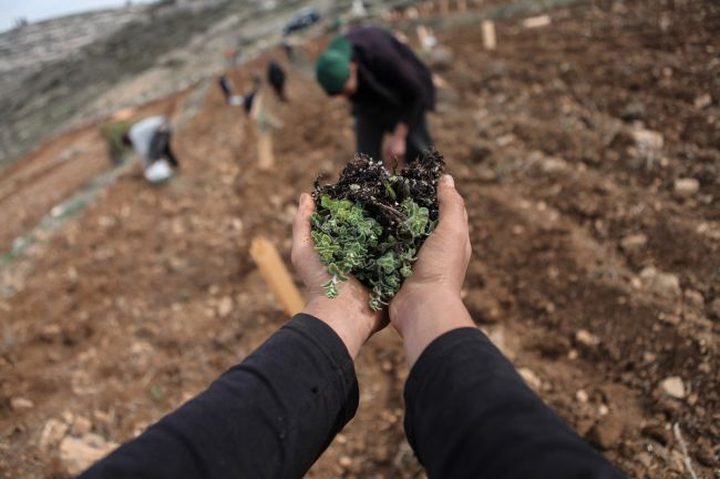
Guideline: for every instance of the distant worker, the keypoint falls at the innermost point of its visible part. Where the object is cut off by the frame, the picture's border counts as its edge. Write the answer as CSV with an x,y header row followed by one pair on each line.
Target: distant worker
x,y
276,79
228,90
150,138
390,89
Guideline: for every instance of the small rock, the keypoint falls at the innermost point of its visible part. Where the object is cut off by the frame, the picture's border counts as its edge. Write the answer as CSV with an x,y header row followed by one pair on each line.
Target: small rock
x,y
225,306
645,459
21,404
662,284
68,417
586,338
715,309
677,461
694,298
553,347
633,111
703,101
81,426
673,387
553,165
582,396
77,454
505,140
530,378
345,461
648,140
537,22
685,187
633,243
52,433
483,307
606,432
603,410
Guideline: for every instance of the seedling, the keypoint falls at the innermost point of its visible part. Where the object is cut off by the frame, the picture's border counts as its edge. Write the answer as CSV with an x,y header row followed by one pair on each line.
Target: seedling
x,y
372,223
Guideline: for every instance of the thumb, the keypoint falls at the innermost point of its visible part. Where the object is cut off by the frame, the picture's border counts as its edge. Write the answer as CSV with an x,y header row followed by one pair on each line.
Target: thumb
x,y
301,225
452,205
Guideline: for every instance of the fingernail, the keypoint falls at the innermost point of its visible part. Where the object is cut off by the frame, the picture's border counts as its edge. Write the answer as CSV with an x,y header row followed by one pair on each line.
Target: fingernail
x,y
448,180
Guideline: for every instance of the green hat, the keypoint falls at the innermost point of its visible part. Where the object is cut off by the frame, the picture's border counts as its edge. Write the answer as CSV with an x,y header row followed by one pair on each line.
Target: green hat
x,y
333,67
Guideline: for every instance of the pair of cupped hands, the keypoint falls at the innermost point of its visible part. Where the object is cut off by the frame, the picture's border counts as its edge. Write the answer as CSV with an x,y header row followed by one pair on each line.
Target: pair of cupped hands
x,y
428,303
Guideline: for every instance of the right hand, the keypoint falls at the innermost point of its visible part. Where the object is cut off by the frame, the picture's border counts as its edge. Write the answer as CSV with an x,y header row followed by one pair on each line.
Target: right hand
x,y
439,271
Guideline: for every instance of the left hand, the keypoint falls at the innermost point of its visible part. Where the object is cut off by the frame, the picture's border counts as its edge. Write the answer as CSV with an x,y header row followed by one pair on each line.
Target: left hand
x,y
348,314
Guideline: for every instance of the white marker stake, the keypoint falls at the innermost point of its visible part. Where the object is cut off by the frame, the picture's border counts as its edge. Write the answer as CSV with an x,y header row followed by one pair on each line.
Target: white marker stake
x,y
488,33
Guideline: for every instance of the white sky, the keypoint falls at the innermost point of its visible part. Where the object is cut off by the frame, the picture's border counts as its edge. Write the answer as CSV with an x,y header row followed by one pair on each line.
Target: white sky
x,y
34,10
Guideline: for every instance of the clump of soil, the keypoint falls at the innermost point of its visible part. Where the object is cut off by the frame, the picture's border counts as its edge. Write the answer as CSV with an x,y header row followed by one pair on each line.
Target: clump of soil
x,y
372,222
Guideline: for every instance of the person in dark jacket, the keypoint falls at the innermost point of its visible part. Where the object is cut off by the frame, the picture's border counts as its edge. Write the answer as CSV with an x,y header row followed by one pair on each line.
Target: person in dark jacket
x,y
389,87
469,413
276,79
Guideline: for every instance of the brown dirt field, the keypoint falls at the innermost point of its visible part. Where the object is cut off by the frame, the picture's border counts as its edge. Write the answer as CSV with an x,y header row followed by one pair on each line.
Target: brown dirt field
x,y
138,304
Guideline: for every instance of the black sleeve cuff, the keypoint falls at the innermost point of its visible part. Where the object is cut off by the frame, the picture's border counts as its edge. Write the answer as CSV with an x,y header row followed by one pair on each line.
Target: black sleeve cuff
x,y
326,340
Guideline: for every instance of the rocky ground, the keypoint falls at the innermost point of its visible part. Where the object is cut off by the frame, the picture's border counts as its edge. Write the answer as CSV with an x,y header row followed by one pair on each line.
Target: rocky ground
x,y
588,152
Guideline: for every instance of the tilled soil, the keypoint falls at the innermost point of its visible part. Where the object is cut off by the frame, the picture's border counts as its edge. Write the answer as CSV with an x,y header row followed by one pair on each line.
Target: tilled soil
x,y
595,276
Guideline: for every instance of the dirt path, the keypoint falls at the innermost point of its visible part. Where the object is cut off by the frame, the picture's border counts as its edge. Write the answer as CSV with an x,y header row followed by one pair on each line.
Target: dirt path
x,y
138,304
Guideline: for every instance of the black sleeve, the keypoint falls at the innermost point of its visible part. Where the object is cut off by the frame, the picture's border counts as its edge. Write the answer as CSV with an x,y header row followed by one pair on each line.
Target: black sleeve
x,y
469,415
272,415
394,66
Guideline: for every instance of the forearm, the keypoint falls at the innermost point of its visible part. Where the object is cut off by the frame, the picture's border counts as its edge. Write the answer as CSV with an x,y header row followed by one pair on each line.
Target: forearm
x,y
469,414
270,416
424,316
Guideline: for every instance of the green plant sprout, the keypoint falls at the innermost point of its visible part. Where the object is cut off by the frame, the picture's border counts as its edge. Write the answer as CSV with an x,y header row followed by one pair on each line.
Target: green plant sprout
x,y
350,242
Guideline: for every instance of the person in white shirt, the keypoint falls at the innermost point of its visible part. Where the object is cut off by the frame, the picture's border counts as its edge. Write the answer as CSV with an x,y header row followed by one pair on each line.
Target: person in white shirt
x,y
150,138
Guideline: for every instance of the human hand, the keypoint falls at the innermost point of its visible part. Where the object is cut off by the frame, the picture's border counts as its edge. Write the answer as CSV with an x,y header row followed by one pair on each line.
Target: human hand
x,y
439,271
348,314
396,144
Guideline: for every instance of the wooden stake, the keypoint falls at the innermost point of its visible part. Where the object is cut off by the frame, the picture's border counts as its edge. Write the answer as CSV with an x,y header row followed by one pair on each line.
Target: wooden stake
x,y
444,6
263,129
266,158
537,22
488,34
276,276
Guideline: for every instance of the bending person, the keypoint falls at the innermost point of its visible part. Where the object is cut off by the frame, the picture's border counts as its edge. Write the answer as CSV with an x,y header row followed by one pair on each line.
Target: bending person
x,y
150,138
390,89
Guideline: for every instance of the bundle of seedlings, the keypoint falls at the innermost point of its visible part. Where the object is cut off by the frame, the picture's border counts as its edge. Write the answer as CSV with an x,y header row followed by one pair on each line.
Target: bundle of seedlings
x,y
372,222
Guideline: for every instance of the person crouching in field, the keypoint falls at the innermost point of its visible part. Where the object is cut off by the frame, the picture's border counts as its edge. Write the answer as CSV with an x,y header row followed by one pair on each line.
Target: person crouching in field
x,y
389,87
150,138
